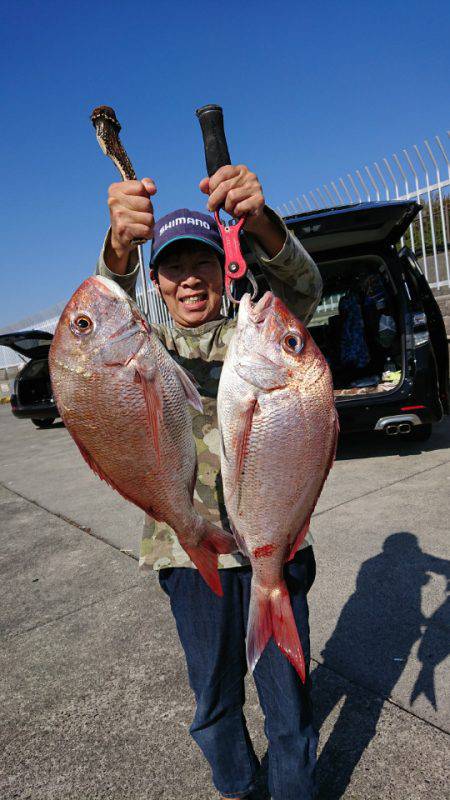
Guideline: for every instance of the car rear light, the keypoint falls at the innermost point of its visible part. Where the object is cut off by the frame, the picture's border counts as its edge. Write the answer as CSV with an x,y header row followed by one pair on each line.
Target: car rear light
x,y
420,329
411,408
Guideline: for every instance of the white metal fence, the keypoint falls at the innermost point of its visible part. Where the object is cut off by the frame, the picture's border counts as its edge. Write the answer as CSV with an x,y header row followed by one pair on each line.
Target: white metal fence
x,y
421,174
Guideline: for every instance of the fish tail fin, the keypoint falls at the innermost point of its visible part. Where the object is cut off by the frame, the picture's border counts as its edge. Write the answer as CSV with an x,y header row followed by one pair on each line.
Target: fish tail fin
x,y
270,614
259,628
204,554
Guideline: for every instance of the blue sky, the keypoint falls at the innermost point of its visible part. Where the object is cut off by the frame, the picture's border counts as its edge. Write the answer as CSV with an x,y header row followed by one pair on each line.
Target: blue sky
x,y
309,91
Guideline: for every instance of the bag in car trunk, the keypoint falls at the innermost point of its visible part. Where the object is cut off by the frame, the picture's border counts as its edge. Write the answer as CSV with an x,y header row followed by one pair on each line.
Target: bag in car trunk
x,y
357,326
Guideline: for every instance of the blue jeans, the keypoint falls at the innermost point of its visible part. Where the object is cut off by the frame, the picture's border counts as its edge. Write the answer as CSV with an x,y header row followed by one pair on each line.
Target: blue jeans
x,y
212,632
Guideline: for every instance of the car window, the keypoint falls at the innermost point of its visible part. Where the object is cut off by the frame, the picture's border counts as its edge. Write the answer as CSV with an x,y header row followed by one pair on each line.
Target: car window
x,y
328,307
29,344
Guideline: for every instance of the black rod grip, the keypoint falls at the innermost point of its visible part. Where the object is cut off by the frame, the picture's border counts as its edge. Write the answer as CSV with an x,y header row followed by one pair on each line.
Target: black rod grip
x,y
214,139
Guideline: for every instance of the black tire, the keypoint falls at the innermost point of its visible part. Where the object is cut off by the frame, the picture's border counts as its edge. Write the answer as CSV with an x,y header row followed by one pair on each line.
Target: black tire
x,y
43,423
421,433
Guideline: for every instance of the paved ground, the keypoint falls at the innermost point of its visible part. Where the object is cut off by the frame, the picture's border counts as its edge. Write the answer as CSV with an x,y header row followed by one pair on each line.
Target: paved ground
x,y
94,697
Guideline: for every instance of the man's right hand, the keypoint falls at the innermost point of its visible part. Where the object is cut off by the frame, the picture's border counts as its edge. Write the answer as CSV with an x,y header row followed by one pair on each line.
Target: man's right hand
x,y
131,213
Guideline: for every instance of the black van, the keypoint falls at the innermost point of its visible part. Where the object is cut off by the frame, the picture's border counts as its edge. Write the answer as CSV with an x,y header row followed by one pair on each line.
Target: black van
x,y
378,323
32,397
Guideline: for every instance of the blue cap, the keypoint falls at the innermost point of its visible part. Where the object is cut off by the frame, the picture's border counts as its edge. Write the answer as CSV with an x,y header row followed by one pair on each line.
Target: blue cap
x,y
185,224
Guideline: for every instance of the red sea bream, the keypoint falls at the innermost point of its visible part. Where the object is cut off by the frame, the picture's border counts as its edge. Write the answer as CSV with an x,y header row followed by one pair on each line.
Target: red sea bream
x,y
124,401
279,428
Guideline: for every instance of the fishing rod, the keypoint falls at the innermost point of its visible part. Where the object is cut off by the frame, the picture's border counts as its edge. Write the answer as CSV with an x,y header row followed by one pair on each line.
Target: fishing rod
x,y
216,156
107,129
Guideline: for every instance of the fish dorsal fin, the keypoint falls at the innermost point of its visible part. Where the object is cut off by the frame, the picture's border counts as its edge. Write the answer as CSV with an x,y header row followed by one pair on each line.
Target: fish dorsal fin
x,y
187,382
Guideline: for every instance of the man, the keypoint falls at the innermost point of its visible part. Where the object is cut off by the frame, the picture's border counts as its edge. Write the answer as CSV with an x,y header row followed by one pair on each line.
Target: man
x,y
187,271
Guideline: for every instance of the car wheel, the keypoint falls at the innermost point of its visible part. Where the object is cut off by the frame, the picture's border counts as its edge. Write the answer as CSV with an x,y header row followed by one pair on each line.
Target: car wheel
x,y
421,433
43,423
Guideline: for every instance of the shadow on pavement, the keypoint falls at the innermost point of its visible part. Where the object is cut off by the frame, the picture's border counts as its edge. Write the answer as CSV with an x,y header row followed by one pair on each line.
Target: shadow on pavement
x,y
433,649
370,646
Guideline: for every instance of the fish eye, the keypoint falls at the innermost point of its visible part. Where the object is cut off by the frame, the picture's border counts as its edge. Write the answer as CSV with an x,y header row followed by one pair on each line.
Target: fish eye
x,y
292,343
82,324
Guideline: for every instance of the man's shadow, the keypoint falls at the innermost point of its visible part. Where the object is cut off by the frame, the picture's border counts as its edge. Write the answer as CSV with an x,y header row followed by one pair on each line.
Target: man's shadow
x,y
369,648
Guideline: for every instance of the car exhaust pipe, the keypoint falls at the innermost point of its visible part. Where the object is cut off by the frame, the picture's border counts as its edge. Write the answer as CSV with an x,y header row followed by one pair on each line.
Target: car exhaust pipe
x,y
397,424
392,429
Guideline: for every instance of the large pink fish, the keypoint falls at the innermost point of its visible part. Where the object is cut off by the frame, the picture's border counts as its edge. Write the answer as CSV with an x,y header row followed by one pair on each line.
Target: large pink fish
x,y
124,400
279,429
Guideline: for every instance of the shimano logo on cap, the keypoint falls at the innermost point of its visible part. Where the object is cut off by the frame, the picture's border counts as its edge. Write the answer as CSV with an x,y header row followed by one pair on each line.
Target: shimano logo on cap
x,y
184,221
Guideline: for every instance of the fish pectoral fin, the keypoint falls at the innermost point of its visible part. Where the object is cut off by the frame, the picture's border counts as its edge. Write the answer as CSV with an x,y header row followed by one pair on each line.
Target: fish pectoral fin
x,y
190,390
246,412
148,376
262,374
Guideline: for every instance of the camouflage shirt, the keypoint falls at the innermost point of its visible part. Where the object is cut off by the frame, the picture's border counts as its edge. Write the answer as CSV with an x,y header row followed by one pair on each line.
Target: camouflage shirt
x,y
292,276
